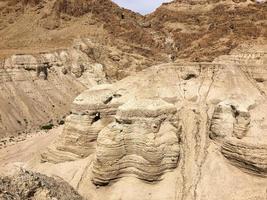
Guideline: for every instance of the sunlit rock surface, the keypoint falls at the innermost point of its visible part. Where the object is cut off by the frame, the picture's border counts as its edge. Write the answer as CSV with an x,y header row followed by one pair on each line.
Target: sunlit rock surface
x,y
142,142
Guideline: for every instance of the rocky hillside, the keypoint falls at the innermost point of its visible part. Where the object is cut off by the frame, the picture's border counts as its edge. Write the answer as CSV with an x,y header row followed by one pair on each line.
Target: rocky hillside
x,y
37,89
144,116
201,30
32,26
169,131
195,29
44,66
43,34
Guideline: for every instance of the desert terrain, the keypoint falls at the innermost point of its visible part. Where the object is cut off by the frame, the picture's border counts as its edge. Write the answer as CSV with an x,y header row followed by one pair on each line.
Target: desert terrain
x,y
98,102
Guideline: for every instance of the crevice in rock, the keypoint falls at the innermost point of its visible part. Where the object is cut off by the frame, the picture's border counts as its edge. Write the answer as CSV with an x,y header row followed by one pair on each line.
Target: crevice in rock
x,y
108,100
117,95
259,80
235,111
96,118
190,76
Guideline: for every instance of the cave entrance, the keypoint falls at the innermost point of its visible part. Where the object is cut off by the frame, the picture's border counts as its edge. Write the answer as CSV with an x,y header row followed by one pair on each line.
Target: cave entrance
x,y
96,117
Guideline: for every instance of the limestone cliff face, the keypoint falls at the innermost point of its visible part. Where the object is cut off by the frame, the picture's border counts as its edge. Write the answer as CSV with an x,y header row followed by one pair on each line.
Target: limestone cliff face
x,y
38,89
241,136
229,121
91,112
33,95
249,157
183,119
142,142
123,42
42,86
184,130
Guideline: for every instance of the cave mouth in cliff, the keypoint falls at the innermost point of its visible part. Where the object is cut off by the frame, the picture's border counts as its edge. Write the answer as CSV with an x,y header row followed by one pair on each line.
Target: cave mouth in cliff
x,y
141,6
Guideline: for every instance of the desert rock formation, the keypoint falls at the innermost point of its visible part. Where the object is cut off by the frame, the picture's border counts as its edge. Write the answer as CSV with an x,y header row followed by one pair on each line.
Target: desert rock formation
x,y
38,89
241,136
172,119
119,42
141,142
168,106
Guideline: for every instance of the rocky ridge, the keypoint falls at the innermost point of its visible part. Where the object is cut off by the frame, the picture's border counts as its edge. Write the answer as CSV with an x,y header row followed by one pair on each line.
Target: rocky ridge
x,y
184,123
203,30
167,106
49,82
179,130
119,43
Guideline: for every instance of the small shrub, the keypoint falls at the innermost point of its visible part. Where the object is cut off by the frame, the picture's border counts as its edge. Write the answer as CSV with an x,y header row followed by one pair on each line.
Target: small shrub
x,y
47,126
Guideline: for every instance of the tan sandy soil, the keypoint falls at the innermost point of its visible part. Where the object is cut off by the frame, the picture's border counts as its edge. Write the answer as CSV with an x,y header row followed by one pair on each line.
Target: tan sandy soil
x,y
25,151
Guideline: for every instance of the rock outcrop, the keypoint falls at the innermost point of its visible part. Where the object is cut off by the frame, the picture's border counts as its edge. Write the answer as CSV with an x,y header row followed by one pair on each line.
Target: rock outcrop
x,y
242,136
140,121
168,132
239,126
229,121
33,94
203,30
142,142
194,30
29,185
120,42
187,129
42,86
91,112
250,157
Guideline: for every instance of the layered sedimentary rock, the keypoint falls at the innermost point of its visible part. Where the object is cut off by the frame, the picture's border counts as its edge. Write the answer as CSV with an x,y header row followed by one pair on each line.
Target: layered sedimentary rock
x,y
91,112
142,142
183,123
242,137
255,58
124,42
33,94
85,63
239,127
96,108
251,157
229,121
38,89
193,129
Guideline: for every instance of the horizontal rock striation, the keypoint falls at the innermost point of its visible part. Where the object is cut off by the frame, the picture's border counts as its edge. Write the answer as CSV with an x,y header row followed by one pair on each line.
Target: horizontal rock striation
x,y
239,127
142,143
138,126
91,112
33,95
248,58
250,157
38,89
252,62
241,136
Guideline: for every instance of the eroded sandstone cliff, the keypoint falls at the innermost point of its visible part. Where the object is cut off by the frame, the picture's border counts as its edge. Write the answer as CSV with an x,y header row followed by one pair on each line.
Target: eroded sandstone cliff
x,y
182,123
119,43
181,130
